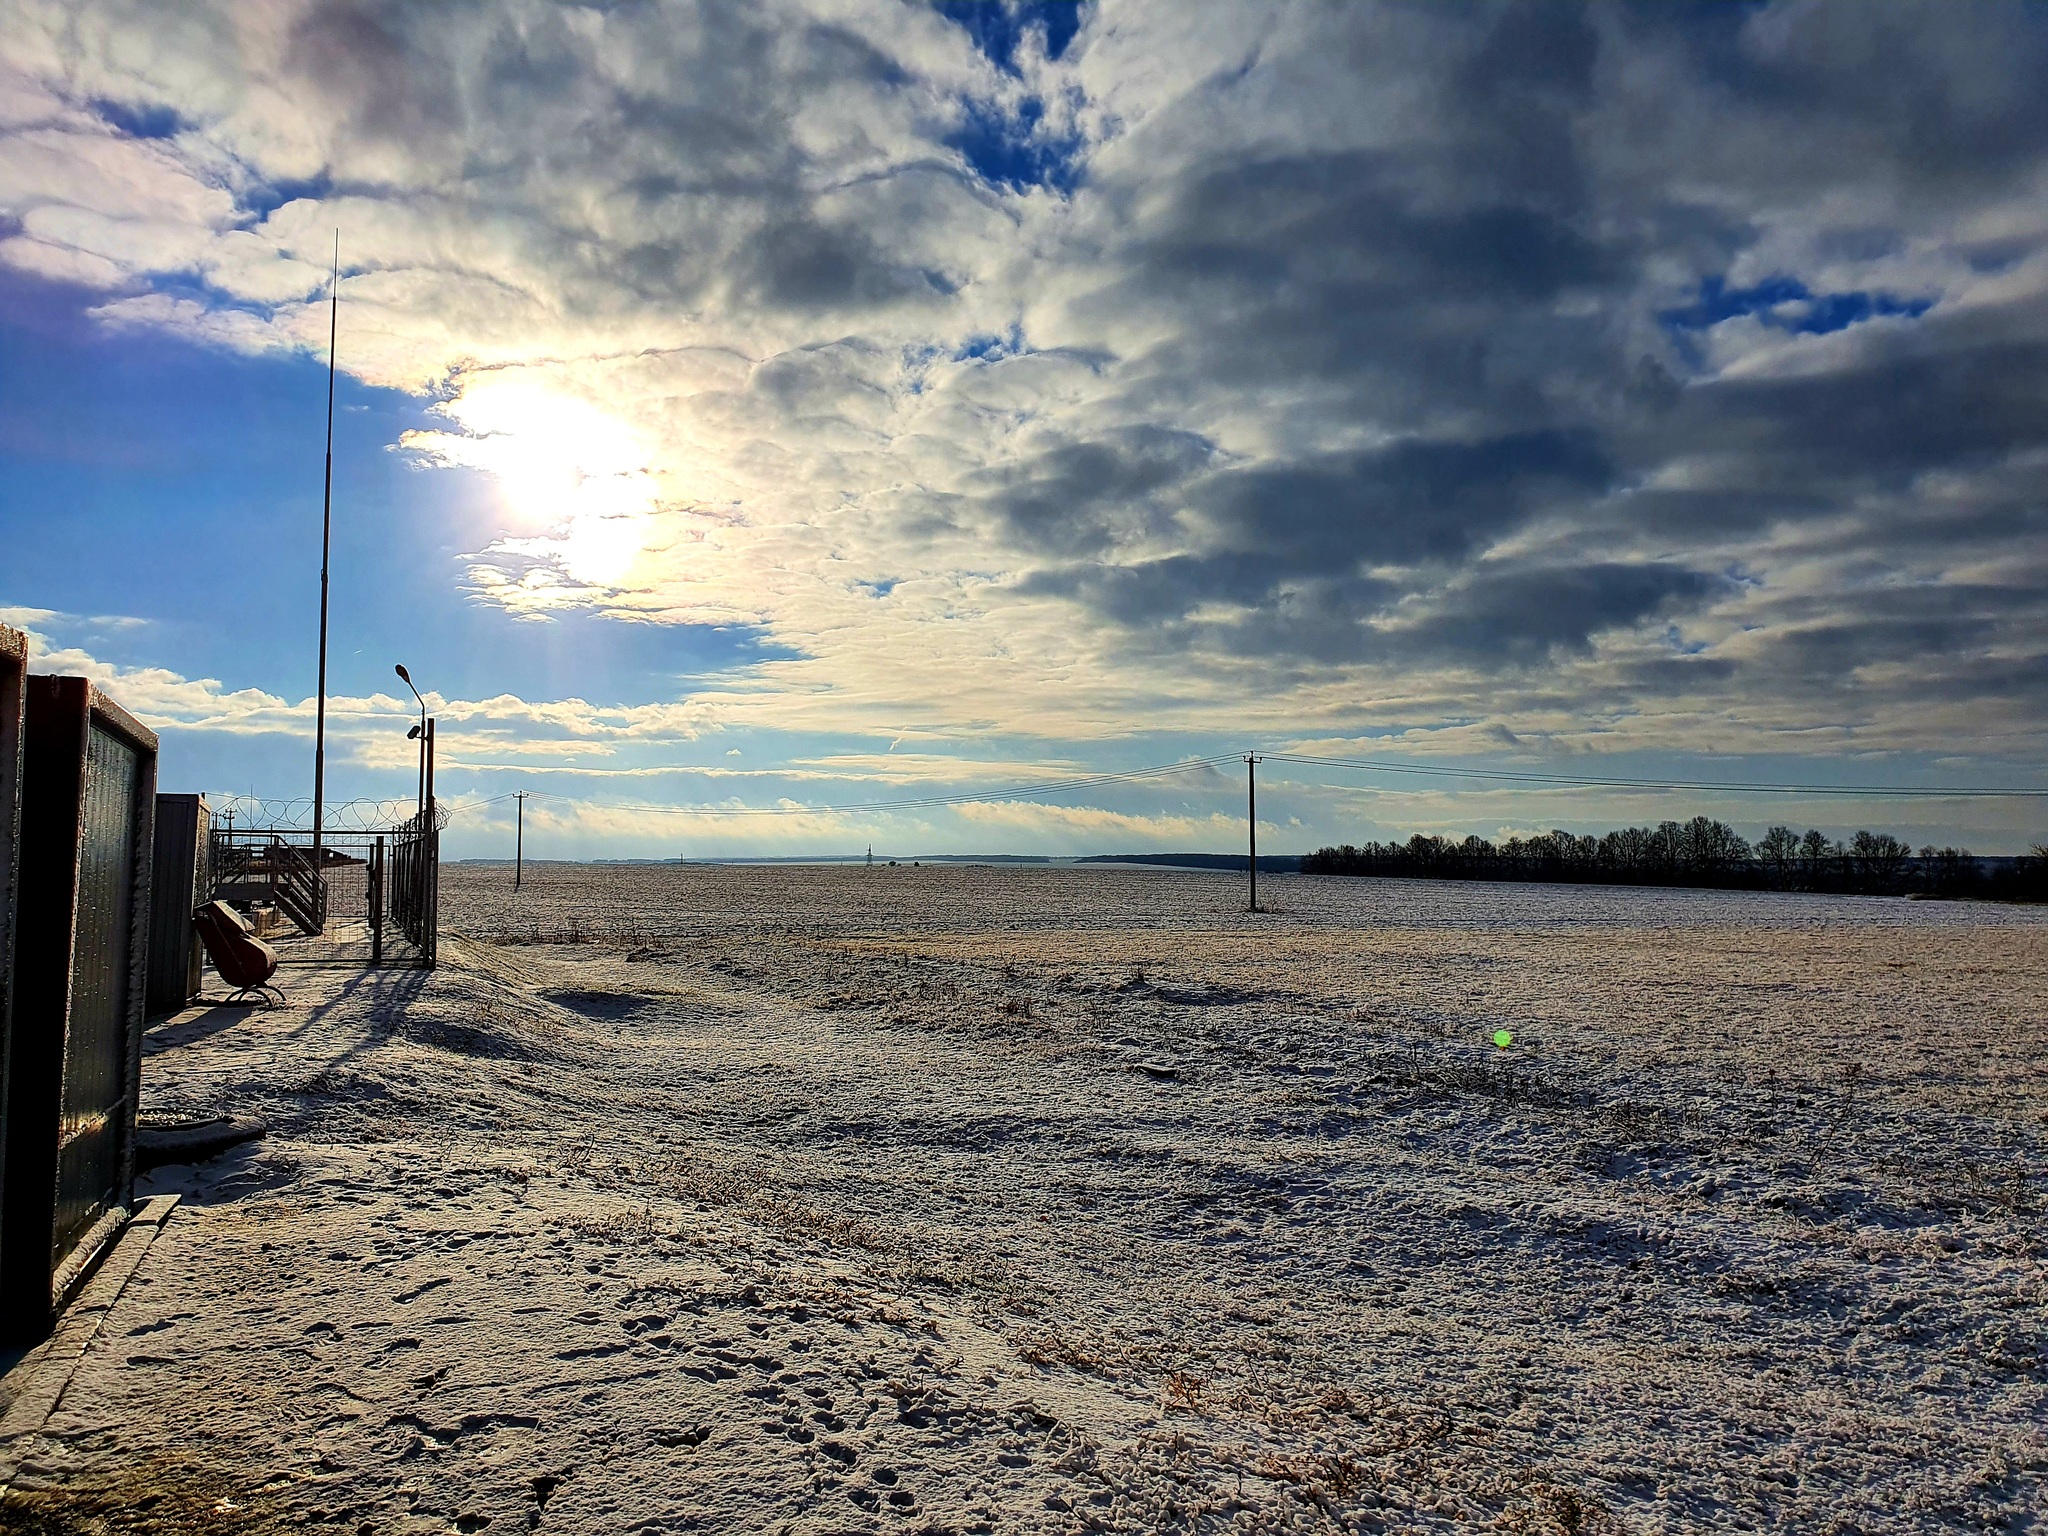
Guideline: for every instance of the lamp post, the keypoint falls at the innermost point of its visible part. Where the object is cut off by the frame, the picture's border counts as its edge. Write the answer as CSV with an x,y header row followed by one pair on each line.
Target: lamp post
x,y
418,733
326,530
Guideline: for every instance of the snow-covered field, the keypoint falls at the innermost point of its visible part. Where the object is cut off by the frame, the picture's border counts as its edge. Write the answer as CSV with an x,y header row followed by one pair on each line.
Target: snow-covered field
x,y
951,1198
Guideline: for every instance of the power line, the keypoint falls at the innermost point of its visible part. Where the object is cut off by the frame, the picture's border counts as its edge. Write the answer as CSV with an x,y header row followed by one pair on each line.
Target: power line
x,y
368,812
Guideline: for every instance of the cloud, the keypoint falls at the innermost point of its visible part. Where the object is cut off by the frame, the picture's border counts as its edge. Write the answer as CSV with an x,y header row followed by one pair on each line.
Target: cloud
x,y
1659,377
610,780
1080,826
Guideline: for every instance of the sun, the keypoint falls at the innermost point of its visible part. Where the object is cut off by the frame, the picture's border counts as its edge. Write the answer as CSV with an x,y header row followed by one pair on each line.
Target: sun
x,y
573,480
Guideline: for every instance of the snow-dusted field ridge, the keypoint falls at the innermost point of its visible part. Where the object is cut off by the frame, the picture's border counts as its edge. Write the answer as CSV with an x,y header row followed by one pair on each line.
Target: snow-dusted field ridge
x,y
951,1199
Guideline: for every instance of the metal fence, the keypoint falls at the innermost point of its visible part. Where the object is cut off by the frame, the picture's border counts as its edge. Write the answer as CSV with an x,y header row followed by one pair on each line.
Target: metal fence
x,y
416,882
374,900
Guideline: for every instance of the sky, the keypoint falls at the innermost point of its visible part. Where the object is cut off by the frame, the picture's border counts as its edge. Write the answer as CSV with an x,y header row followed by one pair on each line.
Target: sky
x,y
748,412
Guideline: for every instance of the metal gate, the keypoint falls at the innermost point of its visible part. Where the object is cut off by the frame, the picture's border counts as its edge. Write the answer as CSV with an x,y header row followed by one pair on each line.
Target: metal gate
x,y
75,1039
375,895
416,881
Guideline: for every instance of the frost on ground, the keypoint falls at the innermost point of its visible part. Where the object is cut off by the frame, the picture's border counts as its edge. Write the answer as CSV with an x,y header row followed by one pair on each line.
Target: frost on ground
x,y
950,1199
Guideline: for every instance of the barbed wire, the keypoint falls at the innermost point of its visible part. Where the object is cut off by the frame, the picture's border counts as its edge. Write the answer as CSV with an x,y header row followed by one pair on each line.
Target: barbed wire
x,y
260,813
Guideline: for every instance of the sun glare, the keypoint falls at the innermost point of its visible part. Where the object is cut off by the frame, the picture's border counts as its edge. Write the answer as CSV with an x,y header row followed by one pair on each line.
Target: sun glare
x,y
572,479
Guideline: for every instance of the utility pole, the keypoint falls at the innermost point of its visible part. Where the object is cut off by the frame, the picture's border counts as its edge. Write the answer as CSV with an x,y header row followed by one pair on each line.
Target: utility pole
x,y
519,847
1251,822
326,528
427,772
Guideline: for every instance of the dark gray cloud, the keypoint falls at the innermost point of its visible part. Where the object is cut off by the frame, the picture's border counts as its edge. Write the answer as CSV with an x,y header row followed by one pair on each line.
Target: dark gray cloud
x,y
1412,502
1512,618
805,264
1494,283
1082,498
1530,614
1920,95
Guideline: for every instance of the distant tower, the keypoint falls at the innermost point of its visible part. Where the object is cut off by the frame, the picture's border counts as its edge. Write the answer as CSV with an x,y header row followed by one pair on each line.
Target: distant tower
x,y
871,855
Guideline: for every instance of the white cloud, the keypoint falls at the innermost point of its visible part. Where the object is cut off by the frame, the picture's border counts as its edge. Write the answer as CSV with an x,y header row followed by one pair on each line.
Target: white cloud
x,y
612,780
1325,378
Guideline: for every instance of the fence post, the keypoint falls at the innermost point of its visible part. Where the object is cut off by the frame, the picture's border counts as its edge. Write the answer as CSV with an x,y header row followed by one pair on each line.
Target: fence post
x,y
375,903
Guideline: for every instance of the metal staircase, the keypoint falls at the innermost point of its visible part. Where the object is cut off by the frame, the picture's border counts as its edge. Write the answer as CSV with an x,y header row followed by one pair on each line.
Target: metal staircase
x,y
269,870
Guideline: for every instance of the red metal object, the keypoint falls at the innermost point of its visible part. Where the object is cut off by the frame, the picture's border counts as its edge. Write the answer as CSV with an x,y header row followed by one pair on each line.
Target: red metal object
x,y
244,961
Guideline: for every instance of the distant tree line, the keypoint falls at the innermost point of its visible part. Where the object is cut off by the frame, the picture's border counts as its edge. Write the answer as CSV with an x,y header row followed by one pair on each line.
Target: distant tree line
x,y
1701,852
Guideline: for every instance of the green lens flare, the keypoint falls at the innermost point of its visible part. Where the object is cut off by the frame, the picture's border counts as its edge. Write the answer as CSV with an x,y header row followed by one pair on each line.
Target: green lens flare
x,y
1503,1038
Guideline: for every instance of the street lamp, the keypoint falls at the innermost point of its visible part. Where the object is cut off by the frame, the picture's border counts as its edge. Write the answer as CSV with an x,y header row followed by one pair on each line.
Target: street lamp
x,y
418,733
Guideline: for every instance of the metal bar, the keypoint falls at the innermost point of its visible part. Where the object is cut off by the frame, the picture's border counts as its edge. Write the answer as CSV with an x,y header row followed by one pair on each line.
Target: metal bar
x,y
375,902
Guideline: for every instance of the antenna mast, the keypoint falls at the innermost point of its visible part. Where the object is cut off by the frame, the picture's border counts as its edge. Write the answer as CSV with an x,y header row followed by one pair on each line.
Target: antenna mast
x,y
326,527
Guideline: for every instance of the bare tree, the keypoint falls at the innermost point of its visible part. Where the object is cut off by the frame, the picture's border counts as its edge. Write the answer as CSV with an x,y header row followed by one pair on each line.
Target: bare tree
x,y
1778,852
1817,858
1879,859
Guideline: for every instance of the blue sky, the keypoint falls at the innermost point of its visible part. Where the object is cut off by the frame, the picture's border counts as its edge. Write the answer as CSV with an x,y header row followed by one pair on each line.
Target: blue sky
x,y
949,396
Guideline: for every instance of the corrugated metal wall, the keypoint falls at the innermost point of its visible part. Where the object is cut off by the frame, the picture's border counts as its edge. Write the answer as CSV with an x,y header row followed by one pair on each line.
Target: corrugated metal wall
x,y
13,678
181,880
90,1135
88,797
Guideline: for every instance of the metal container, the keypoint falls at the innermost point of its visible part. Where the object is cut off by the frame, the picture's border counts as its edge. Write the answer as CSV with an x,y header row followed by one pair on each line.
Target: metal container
x,y
13,684
181,879
88,805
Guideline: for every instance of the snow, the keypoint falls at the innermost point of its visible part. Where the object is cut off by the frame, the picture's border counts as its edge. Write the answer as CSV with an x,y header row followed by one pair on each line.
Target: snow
x,y
1043,1199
